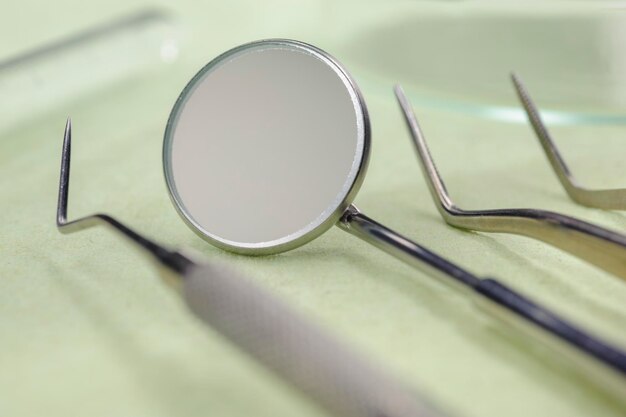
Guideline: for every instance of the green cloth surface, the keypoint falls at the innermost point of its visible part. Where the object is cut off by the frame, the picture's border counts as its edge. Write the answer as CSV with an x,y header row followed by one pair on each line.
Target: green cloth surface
x,y
88,329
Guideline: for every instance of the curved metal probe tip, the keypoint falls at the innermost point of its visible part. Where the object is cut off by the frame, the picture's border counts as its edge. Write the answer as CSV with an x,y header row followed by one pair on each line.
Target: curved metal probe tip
x,y
601,247
171,259
608,199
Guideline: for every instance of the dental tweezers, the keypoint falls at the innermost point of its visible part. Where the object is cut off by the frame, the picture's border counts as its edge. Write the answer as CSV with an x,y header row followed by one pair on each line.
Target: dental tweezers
x,y
601,247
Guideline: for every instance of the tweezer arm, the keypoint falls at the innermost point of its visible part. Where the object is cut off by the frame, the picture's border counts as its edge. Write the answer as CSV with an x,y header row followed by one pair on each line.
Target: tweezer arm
x,y
487,289
607,199
596,245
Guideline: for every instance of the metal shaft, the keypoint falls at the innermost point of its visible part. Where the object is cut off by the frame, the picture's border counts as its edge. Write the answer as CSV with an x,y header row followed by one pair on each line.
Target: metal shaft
x,y
489,289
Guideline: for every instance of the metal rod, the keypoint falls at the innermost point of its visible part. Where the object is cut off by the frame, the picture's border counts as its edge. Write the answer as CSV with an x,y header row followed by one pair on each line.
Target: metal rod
x,y
398,246
492,290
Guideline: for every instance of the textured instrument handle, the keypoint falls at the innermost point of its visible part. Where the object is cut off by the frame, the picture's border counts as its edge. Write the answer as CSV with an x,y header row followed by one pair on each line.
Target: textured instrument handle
x,y
552,323
296,349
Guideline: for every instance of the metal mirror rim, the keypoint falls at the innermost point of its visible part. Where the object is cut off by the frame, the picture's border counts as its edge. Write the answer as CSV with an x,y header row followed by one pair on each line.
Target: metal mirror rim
x,y
316,227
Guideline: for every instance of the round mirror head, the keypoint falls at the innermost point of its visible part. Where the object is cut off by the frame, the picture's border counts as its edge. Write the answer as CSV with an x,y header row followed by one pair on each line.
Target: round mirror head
x,y
266,147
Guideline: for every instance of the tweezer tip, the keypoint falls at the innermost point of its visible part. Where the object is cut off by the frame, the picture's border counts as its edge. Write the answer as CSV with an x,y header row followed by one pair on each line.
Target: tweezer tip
x,y
517,83
400,96
398,91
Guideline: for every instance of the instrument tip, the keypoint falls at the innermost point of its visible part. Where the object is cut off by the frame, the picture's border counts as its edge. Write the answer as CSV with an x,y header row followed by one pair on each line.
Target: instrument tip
x,y
65,175
399,92
67,136
517,83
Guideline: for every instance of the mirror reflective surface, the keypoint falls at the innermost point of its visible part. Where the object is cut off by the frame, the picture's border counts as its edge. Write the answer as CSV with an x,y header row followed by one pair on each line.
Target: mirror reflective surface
x,y
266,146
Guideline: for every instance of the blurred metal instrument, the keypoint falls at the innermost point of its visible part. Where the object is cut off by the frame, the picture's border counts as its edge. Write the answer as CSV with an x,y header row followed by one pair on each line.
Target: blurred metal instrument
x,y
45,77
609,199
265,327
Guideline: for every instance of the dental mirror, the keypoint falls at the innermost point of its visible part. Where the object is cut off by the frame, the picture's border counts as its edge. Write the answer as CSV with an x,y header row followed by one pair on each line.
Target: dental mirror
x,y
265,150
266,147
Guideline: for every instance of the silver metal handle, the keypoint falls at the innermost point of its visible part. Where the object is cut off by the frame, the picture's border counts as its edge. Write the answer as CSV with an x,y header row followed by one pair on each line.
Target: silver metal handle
x,y
570,336
398,246
294,348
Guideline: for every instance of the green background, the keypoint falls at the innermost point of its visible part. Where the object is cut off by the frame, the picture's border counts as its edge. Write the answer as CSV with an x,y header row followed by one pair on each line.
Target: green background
x,y
86,329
